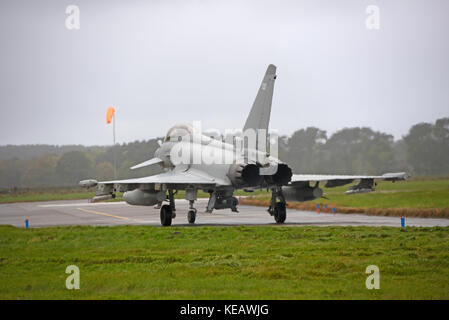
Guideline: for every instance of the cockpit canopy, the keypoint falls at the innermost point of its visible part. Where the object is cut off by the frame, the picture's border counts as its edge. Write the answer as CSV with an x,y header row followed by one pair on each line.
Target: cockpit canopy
x,y
178,131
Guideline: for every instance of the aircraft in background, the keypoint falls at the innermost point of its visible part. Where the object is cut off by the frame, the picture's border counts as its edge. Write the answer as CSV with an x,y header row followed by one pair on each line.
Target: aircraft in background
x,y
251,168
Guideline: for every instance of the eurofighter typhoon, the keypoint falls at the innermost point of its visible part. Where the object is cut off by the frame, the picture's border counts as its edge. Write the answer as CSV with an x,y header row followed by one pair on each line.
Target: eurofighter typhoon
x,y
194,161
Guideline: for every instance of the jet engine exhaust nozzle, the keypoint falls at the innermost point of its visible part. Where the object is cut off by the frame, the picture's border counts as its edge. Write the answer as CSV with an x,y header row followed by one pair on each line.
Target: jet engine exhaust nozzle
x,y
242,174
282,176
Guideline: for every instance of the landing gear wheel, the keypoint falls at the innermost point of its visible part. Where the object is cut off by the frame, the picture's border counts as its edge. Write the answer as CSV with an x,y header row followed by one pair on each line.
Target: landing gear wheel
x,y
166,215
280,212
191,216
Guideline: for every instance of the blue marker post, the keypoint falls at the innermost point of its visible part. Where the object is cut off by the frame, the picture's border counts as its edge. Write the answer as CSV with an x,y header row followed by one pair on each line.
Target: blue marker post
x,y
26,223
402,222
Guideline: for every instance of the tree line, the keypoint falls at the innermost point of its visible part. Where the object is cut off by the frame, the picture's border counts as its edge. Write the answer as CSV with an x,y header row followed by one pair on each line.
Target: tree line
x,y
423,151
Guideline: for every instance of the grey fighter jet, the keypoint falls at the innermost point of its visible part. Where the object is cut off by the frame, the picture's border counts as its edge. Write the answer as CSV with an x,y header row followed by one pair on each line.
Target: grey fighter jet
x,y
248,167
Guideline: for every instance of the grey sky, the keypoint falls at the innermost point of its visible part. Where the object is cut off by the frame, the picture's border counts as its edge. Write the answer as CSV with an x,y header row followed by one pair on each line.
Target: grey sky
x,y
164,62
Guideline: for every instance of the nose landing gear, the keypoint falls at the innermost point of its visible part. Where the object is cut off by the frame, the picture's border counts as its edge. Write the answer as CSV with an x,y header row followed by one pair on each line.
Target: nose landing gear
x,y
191,196
168,211
191,216
278,208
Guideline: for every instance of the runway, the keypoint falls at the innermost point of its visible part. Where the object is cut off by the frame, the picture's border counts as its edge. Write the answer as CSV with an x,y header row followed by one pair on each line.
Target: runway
x,y
80,212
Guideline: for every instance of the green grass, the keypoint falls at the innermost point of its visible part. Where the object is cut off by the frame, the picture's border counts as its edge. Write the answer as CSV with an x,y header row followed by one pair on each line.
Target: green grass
x,y
44,194
45,197
224,262
407,194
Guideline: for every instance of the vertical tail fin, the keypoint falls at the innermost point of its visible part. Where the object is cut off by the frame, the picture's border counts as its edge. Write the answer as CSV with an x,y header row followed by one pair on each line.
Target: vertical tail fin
x,y
259,116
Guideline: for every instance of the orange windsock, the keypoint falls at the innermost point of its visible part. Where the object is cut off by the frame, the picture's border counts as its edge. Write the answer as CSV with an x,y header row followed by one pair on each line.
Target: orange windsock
x,y
110,114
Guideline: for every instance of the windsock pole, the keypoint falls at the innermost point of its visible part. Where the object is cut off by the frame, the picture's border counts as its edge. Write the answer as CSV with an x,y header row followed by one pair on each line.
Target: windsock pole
x,y
110,116
115,149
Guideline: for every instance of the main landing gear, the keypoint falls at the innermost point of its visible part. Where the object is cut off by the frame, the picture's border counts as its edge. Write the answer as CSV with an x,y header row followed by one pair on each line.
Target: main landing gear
x,y
277,208
166,215
168,211
191,195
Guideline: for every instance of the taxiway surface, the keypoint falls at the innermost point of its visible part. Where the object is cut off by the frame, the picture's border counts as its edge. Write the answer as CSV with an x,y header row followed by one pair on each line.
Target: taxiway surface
x,y
80,212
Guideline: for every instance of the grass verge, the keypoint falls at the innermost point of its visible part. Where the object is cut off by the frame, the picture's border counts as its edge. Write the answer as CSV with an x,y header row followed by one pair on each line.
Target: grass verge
x,y
427,198
140,262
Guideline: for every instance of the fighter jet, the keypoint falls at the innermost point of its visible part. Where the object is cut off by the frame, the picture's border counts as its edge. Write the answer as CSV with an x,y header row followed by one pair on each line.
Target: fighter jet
x,y
185,155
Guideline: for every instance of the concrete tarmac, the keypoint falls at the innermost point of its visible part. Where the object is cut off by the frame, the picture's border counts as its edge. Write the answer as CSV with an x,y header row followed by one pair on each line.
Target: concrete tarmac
x,y
80,212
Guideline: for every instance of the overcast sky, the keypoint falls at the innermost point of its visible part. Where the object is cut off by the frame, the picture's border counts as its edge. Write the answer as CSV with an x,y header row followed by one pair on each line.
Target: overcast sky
x,y
164,62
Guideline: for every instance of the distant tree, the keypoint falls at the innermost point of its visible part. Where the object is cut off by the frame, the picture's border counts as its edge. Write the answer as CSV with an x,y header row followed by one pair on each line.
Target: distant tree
x,y
28,152
428,147
40,172
424,151
104,171
400,157
13,170
358,150
304,150
441,132
2,172
72,167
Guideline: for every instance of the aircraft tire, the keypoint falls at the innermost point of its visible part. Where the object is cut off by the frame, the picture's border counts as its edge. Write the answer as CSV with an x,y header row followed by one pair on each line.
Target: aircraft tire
x,y
280,212
166,215
191,216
